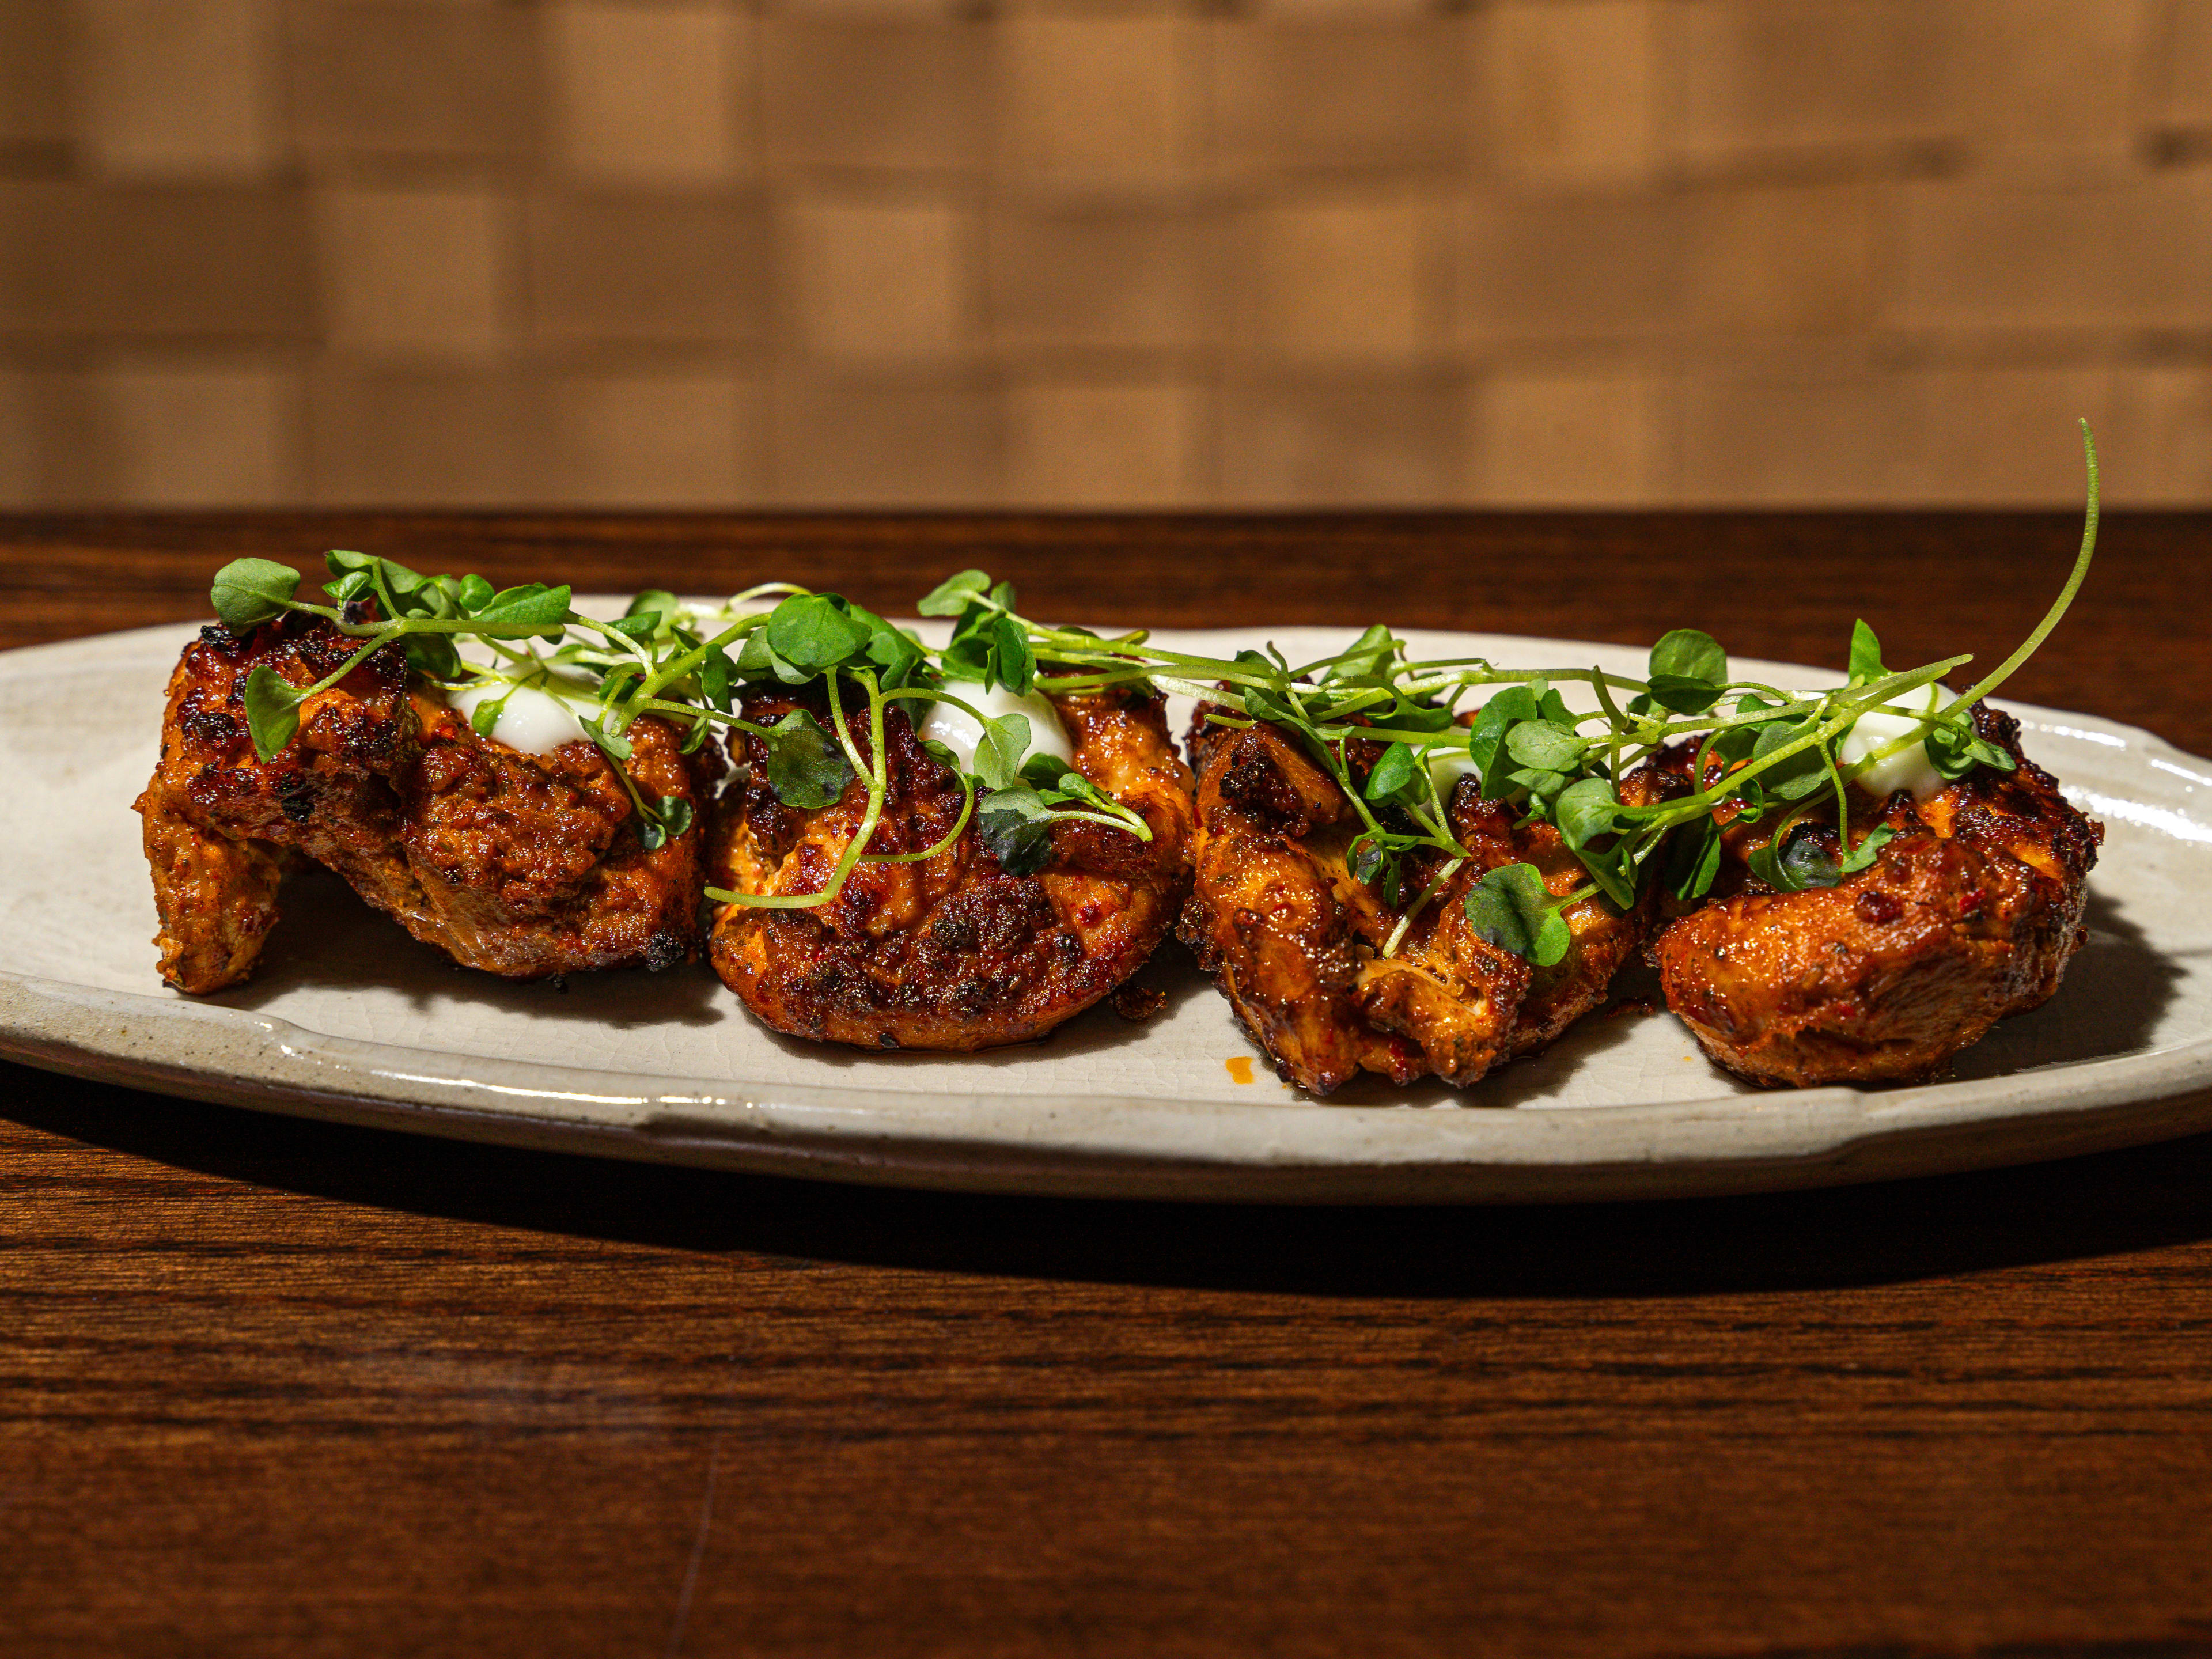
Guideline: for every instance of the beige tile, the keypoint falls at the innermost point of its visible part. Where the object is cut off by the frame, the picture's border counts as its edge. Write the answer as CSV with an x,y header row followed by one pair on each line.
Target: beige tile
x,y
1086,444
1100,100
1792,258
35,72
1574,90
677,439
887,441
880,94
1595,267
1099,276
1765,75
1333,95
2187,81
2154,442
1589,438
201,436
23,434
179,87
883,279
2057,78
2008,437
1353,281
415,78
2135,254
415,437
417,272
178,261
649,94
1388,442
649,267
1342,11
1801,439
909,11
66,453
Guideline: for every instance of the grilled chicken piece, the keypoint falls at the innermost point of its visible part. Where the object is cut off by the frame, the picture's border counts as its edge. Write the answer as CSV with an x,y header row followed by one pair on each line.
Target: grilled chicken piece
x,y
949,952
520,865
1968,915
1296,942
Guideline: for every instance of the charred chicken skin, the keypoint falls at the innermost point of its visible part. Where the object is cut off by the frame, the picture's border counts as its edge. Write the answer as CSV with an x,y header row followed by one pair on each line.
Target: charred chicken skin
x,y
1967,914
520,865
1296,942
952,952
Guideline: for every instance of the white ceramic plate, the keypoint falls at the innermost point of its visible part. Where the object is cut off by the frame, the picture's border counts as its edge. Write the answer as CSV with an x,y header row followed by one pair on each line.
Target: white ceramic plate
x,y
348,1019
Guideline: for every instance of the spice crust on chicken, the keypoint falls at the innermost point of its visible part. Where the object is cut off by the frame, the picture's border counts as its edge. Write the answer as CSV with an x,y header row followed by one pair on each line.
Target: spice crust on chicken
x,y
953,952
1967,915
1331,976
523,866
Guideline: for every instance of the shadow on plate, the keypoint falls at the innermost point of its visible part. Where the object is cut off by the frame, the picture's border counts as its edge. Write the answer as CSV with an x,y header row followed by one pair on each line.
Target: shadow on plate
x,y
330,939
2107,1204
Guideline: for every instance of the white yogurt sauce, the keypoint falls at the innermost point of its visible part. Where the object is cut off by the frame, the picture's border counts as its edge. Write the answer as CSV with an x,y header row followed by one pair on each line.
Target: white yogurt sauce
x,y
960,731
1908,768
533,720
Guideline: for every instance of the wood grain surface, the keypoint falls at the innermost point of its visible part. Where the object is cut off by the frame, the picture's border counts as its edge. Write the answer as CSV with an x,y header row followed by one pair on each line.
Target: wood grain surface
x,y
273,1387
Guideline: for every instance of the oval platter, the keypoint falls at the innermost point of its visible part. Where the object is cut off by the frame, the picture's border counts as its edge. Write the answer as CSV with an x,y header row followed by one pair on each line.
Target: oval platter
x,y
350,1019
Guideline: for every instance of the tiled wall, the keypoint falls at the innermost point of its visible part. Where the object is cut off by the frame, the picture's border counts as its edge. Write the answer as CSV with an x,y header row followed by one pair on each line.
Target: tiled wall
x,y
1103,252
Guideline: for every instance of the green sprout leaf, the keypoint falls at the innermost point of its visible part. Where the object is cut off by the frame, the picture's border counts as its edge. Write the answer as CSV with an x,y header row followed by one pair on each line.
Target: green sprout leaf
x,y
806,765
715,675
1398,767
999,752
1585,811
247,592
1798,862
1510,908
1954,749
535,609
1866,655
1368,658
272,711
1546,746
1688,668
954,594
814,632
484,717
1016,825
1010,662
661,821
1688,654
640,627
612,743
1864,856
1803,772
433,655
1487,734
1693,858
897,655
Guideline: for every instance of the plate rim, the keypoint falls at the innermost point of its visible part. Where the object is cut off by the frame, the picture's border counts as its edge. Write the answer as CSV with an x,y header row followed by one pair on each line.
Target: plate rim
x,y
1461,1152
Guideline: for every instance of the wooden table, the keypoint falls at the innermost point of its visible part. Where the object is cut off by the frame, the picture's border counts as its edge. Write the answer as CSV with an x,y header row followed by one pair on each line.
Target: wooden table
x,y
273,1387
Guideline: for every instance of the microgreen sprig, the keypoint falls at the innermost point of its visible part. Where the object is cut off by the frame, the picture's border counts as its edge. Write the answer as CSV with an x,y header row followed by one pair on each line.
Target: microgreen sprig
x,y
1765,753
1777,749
692,666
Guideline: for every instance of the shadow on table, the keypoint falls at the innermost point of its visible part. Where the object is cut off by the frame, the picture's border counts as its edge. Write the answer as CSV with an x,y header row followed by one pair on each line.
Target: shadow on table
x,y
2107,1204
